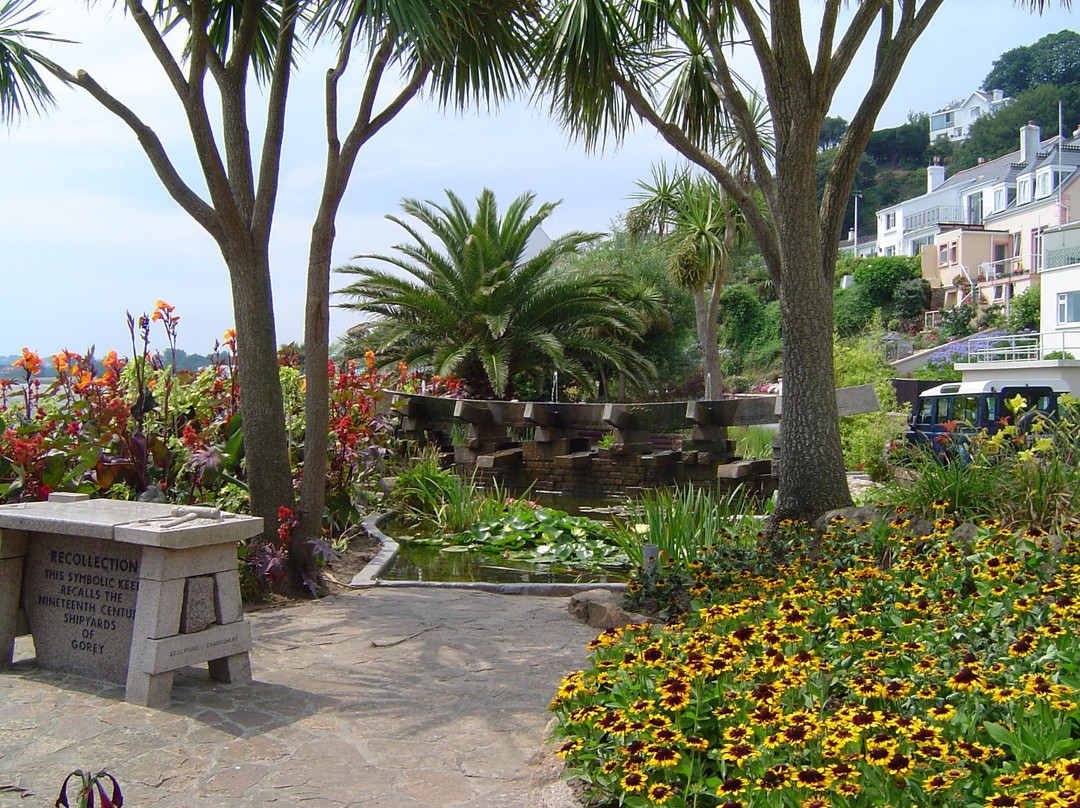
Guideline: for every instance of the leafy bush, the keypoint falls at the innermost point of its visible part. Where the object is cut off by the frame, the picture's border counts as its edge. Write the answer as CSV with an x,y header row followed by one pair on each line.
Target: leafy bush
x,y
911,298
881,276
1025,311
852,310
957,322
860,360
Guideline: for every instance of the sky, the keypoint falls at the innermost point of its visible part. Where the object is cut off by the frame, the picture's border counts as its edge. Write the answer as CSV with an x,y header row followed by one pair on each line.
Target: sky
x,y
88,233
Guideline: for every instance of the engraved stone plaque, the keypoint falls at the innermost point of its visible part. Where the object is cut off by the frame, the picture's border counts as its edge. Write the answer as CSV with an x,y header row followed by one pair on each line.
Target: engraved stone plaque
x,y
79,595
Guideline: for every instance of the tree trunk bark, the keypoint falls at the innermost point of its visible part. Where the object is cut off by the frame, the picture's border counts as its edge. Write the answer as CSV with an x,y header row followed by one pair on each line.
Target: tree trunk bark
x,y
316,369
262,411
705,312
812,477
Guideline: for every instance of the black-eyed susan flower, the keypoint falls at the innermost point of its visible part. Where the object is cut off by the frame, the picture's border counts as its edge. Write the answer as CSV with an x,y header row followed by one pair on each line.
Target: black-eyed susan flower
x,y
739,753
659,793
813,778
731,786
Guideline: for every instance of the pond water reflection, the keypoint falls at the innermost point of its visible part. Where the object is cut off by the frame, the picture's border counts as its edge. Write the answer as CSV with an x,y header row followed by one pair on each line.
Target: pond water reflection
x,y
419,561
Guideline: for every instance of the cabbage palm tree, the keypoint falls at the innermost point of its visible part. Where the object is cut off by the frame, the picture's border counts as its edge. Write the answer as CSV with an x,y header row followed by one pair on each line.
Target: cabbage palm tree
x,y
22,88
483,306
604,65
699,228
461,51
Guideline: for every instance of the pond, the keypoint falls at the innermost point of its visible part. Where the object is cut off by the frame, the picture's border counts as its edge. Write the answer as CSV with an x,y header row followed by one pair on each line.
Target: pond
x,y
418,561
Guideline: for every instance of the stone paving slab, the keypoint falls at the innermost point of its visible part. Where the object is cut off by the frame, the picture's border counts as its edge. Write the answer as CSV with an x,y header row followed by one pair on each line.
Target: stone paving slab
x,y
392,698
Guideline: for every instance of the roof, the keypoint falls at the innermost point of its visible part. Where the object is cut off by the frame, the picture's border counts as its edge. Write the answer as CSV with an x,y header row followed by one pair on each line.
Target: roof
x,y
992,386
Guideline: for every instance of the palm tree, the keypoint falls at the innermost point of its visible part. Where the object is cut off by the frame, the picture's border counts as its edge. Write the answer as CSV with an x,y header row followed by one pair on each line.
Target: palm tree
x,y
22,89
484,307
699,228
607,64
462,51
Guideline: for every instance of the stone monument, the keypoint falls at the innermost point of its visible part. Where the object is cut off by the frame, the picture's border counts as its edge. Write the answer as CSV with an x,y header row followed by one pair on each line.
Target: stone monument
x,y
124,591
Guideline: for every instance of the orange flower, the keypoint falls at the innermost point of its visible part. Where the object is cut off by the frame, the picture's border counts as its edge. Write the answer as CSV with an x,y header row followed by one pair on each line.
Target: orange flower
x,y
30,362
162,311
230,339
60,361
110,359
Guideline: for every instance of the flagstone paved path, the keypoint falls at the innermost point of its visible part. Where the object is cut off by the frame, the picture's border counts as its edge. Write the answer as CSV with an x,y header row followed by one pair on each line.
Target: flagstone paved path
x,y
391,698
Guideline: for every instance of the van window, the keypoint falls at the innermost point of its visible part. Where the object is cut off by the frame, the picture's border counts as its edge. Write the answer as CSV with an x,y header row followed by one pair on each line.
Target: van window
x,y
926,411
992,408
966,409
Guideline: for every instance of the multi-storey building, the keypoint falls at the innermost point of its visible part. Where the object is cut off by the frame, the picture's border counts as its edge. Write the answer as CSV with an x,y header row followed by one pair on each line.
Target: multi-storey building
x,y
954,121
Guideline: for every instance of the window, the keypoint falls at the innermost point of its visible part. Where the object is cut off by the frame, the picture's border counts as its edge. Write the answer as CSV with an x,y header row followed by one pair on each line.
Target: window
x,y
999,199
1023,190
952,252
1068,307
890,220
942,120
966,409
1043,184
1014,245
975,208
926,411
998,291
943,255
1037,249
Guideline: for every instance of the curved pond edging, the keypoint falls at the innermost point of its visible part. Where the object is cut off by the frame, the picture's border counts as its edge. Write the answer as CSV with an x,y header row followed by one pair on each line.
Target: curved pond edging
x,y
368,577
388,548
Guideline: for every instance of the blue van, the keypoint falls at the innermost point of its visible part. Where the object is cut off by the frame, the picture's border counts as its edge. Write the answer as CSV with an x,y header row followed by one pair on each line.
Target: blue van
x,y
969,407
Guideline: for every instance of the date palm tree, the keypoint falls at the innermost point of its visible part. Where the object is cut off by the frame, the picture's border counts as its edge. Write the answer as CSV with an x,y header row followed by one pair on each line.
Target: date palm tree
x,y
483,306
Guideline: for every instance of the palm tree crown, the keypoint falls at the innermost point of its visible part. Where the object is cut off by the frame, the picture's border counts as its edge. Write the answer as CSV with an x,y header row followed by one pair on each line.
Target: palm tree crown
x,y
489,308
22,88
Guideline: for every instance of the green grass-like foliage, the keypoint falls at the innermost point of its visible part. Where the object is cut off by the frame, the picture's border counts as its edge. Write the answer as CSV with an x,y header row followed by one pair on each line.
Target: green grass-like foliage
x,y
875,668
683,522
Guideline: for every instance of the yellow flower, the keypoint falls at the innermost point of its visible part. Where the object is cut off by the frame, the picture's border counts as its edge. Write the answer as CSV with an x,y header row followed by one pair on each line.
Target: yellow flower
x,y
1016,404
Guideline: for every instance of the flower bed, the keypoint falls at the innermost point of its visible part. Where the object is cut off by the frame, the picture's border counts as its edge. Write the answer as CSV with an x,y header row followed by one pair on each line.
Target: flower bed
x,y
878,668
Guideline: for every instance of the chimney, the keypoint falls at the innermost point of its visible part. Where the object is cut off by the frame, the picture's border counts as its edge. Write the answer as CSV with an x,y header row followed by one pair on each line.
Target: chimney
x,y
1030,138
935,175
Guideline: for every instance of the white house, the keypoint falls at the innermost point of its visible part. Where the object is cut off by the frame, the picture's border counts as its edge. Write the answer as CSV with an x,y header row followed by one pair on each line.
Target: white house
x,y
1055,352
954,121
962,199
999,253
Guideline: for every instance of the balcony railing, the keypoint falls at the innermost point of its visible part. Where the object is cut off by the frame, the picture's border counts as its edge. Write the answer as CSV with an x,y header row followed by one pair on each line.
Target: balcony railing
x,y
1062,257
1023,347
950,214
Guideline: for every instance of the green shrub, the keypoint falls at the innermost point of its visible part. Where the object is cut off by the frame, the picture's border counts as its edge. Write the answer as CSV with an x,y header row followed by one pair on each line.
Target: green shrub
x,y
852,310
1025,311
911,299
881,276
860,360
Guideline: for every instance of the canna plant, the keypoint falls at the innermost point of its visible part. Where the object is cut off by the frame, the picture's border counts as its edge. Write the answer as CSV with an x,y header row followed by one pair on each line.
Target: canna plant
x,y
91,791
